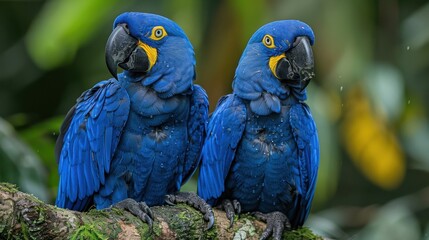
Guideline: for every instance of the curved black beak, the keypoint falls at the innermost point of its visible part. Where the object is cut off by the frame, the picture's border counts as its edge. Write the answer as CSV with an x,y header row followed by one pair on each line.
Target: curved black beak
x,y
122,50
298,65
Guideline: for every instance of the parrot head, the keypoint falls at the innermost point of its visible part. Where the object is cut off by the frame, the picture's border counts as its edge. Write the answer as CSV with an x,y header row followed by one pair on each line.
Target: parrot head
x,y
153,48
277,61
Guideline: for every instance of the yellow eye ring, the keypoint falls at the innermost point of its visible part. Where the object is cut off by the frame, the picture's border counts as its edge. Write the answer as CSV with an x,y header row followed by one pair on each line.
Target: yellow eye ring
x,y
268,41
158,33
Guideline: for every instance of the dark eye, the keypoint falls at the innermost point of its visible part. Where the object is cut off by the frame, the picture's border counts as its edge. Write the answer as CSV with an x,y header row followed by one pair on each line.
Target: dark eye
x,y
267,41
158,33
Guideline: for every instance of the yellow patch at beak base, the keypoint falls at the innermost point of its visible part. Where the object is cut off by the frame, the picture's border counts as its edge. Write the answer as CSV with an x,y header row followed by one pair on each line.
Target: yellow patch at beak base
x,y
151,52
273,63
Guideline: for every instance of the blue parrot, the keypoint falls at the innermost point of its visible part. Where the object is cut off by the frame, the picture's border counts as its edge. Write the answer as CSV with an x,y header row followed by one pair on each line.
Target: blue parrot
x,y
261,153
137,137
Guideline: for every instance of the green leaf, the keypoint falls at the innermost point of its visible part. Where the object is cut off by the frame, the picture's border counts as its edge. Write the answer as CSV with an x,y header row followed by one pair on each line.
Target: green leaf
x,y
42,137
19,164
62,27
385,86
394,221
252,16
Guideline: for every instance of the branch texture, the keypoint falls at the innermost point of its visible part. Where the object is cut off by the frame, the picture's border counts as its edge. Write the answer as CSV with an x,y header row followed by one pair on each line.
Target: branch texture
x,y
22,216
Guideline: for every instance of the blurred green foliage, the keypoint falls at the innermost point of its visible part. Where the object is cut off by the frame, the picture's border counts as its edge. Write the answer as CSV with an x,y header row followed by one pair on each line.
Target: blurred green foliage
x,y
369,96
19,164
62,27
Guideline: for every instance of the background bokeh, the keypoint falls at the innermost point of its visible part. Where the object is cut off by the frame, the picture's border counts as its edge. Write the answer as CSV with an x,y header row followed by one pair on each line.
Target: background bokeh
x,y
370,95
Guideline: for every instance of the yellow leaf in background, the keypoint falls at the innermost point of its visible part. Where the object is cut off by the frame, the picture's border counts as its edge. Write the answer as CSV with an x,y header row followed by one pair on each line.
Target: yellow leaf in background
x,y
370,143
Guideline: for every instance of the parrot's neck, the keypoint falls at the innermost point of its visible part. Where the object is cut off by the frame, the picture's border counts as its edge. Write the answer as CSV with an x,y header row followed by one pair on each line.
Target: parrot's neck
x,y
267,96
294,98
164,84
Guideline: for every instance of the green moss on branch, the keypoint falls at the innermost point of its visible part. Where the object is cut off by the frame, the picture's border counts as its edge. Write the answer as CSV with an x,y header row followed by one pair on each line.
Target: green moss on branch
x,y
22,216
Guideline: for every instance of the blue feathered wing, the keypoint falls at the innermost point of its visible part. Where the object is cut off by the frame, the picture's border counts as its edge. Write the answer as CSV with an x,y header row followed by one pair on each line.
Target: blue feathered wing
x,y
225,130
87,142
197,127
305,134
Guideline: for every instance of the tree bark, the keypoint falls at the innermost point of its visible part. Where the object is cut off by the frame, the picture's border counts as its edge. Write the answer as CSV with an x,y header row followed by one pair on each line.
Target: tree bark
x,y
22,216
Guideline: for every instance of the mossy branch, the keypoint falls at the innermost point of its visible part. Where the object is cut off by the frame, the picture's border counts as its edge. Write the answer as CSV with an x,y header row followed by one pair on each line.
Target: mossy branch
x,y
22,216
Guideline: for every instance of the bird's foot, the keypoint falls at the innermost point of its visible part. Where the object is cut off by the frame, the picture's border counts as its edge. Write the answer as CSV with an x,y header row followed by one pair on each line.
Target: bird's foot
x,y
138,209
196,202
276,223
231,209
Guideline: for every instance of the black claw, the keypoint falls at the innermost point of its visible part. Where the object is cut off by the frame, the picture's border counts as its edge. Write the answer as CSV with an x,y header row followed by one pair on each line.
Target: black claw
x,y
260,216
138,209
266,234
229,210
146,209
170,199
237,206
196,202
211,221
276,224
231,221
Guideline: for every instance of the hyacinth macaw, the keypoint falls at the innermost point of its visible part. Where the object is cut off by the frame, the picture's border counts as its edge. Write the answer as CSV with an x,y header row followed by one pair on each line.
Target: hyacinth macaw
x,y
137,137
261,153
